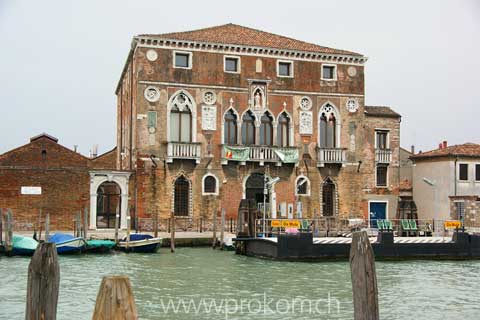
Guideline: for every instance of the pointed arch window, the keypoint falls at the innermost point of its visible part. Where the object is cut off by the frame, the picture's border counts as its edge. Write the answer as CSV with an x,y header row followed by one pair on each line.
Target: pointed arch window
x,y
266,130
248,128
230,128
328,128
283,128
302,186
181,196
181,119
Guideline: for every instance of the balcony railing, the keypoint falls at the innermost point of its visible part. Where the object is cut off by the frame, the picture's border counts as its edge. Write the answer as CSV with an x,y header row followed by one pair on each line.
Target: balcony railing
x,y
330,155
383,155
259,154
184,150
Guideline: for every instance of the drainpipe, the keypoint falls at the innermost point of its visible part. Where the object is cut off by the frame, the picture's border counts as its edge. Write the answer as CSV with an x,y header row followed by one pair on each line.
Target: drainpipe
x,y
455,178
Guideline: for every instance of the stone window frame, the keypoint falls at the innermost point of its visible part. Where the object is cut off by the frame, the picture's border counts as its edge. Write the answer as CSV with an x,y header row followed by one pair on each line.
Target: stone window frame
x,y
217,185
338,123
190,195
335,75
190,59
238,123
378,130
386,176
456,215
292,73
193,110
309,184
291,133
225,57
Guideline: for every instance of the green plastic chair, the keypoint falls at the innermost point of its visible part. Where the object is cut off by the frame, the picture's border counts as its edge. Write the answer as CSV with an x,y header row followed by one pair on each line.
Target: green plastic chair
x,y
413,225
388,225
380,225
405,225
305,225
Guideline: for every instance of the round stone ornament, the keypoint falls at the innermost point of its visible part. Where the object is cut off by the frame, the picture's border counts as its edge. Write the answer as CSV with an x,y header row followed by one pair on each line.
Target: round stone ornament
x,y
152,94
352,71
352,105
305,103
152,55
209,97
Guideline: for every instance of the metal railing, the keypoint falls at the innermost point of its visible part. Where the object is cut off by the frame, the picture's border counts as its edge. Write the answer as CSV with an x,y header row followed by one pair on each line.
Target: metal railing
x,y
184,150
383,155
330,155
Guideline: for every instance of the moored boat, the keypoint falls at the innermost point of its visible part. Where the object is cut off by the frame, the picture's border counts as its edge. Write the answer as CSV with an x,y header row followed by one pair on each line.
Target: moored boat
x,y
23,246
140,243
67,243
99,246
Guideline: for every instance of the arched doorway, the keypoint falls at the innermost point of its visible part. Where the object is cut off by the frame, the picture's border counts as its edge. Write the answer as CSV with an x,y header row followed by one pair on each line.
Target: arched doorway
x,y
182,196
108,204
254,187
328,198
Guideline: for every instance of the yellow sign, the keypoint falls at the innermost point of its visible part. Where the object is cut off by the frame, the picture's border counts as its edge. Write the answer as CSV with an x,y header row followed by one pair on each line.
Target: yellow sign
x,y
285,223
452,224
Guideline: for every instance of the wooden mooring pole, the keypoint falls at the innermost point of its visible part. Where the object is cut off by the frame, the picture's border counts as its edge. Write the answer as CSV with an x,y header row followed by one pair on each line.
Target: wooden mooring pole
x,y
117,218
214,237
128,232
1,226
115,300
47,226
85,222
364,278
172,232
222,229
8,233
43,283
155,224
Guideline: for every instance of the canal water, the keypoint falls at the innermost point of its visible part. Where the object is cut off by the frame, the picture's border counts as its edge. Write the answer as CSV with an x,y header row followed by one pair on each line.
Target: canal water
x,y
201,283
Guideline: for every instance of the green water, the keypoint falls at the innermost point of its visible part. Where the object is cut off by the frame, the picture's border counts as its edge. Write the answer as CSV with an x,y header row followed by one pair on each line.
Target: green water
x,y
238,287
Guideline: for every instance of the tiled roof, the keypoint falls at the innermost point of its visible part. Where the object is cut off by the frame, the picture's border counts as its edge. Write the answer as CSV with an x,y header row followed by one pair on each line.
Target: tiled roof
x,y
459,150
238,35
381,111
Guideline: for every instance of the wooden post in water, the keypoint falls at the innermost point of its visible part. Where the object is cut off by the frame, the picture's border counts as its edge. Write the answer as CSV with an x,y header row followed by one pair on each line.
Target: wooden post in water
x,y
222,231
128,232
8,233
85,222
115,300
47,226
40,224
364,278
1,226
214,237
117,218
78,222
155,224
172,232
43,283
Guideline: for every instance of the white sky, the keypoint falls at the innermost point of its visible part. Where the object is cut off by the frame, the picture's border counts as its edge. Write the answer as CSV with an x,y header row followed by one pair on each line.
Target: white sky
x,y
60,60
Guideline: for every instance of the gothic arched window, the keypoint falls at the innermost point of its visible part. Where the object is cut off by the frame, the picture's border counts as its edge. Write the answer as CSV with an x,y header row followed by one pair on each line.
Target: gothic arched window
x,y
230,128
328,127
248,128
181,119
283,127
266,130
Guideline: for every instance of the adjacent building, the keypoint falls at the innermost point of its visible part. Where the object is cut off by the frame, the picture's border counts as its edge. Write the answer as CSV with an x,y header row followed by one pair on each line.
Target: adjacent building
x,y
205,117
446,183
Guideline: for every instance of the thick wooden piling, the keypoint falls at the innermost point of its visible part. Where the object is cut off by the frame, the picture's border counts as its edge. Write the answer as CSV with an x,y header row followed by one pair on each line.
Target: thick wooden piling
x,y
47,226
8,232
115,300
364,278
172,232
1,226
222,231
43,284
155,224
214,237
128,232
117,218
78,224
85,222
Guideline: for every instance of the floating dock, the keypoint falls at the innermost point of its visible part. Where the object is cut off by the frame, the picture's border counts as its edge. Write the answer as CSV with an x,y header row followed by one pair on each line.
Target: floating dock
x,y
304,247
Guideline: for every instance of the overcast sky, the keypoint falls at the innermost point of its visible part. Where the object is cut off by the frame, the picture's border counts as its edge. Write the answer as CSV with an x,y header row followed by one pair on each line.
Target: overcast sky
x,y
61,60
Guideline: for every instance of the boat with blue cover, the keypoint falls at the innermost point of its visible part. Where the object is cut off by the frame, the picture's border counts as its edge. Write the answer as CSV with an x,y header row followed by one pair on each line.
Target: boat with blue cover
x,y
23,246
67,243
139,242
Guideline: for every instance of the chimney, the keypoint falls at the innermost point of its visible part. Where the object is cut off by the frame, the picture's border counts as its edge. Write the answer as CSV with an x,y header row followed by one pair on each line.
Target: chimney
x,y
445,144
412,149
95,150
75,147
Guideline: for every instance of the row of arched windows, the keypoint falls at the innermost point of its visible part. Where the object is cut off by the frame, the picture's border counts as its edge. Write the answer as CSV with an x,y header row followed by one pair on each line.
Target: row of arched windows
x,y
249,130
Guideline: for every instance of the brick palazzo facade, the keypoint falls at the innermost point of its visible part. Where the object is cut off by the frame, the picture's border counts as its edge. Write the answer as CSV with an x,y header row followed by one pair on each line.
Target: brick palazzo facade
x,y
203,115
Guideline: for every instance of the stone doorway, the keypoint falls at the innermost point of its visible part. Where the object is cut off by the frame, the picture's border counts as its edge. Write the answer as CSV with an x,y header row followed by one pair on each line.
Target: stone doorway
x,y
328,198
254,187
108,205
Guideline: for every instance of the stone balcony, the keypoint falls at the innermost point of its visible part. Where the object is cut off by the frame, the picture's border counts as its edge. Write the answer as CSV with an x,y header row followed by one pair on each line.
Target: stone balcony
x,y
383,155
184,150
260,154
330,156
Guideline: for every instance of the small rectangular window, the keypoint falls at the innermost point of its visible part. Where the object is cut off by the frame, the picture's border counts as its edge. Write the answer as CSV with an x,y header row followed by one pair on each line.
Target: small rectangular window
x,y
477,172
460,210
463,171
382,139
328,72
382,175
182,60
285,69
232,64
